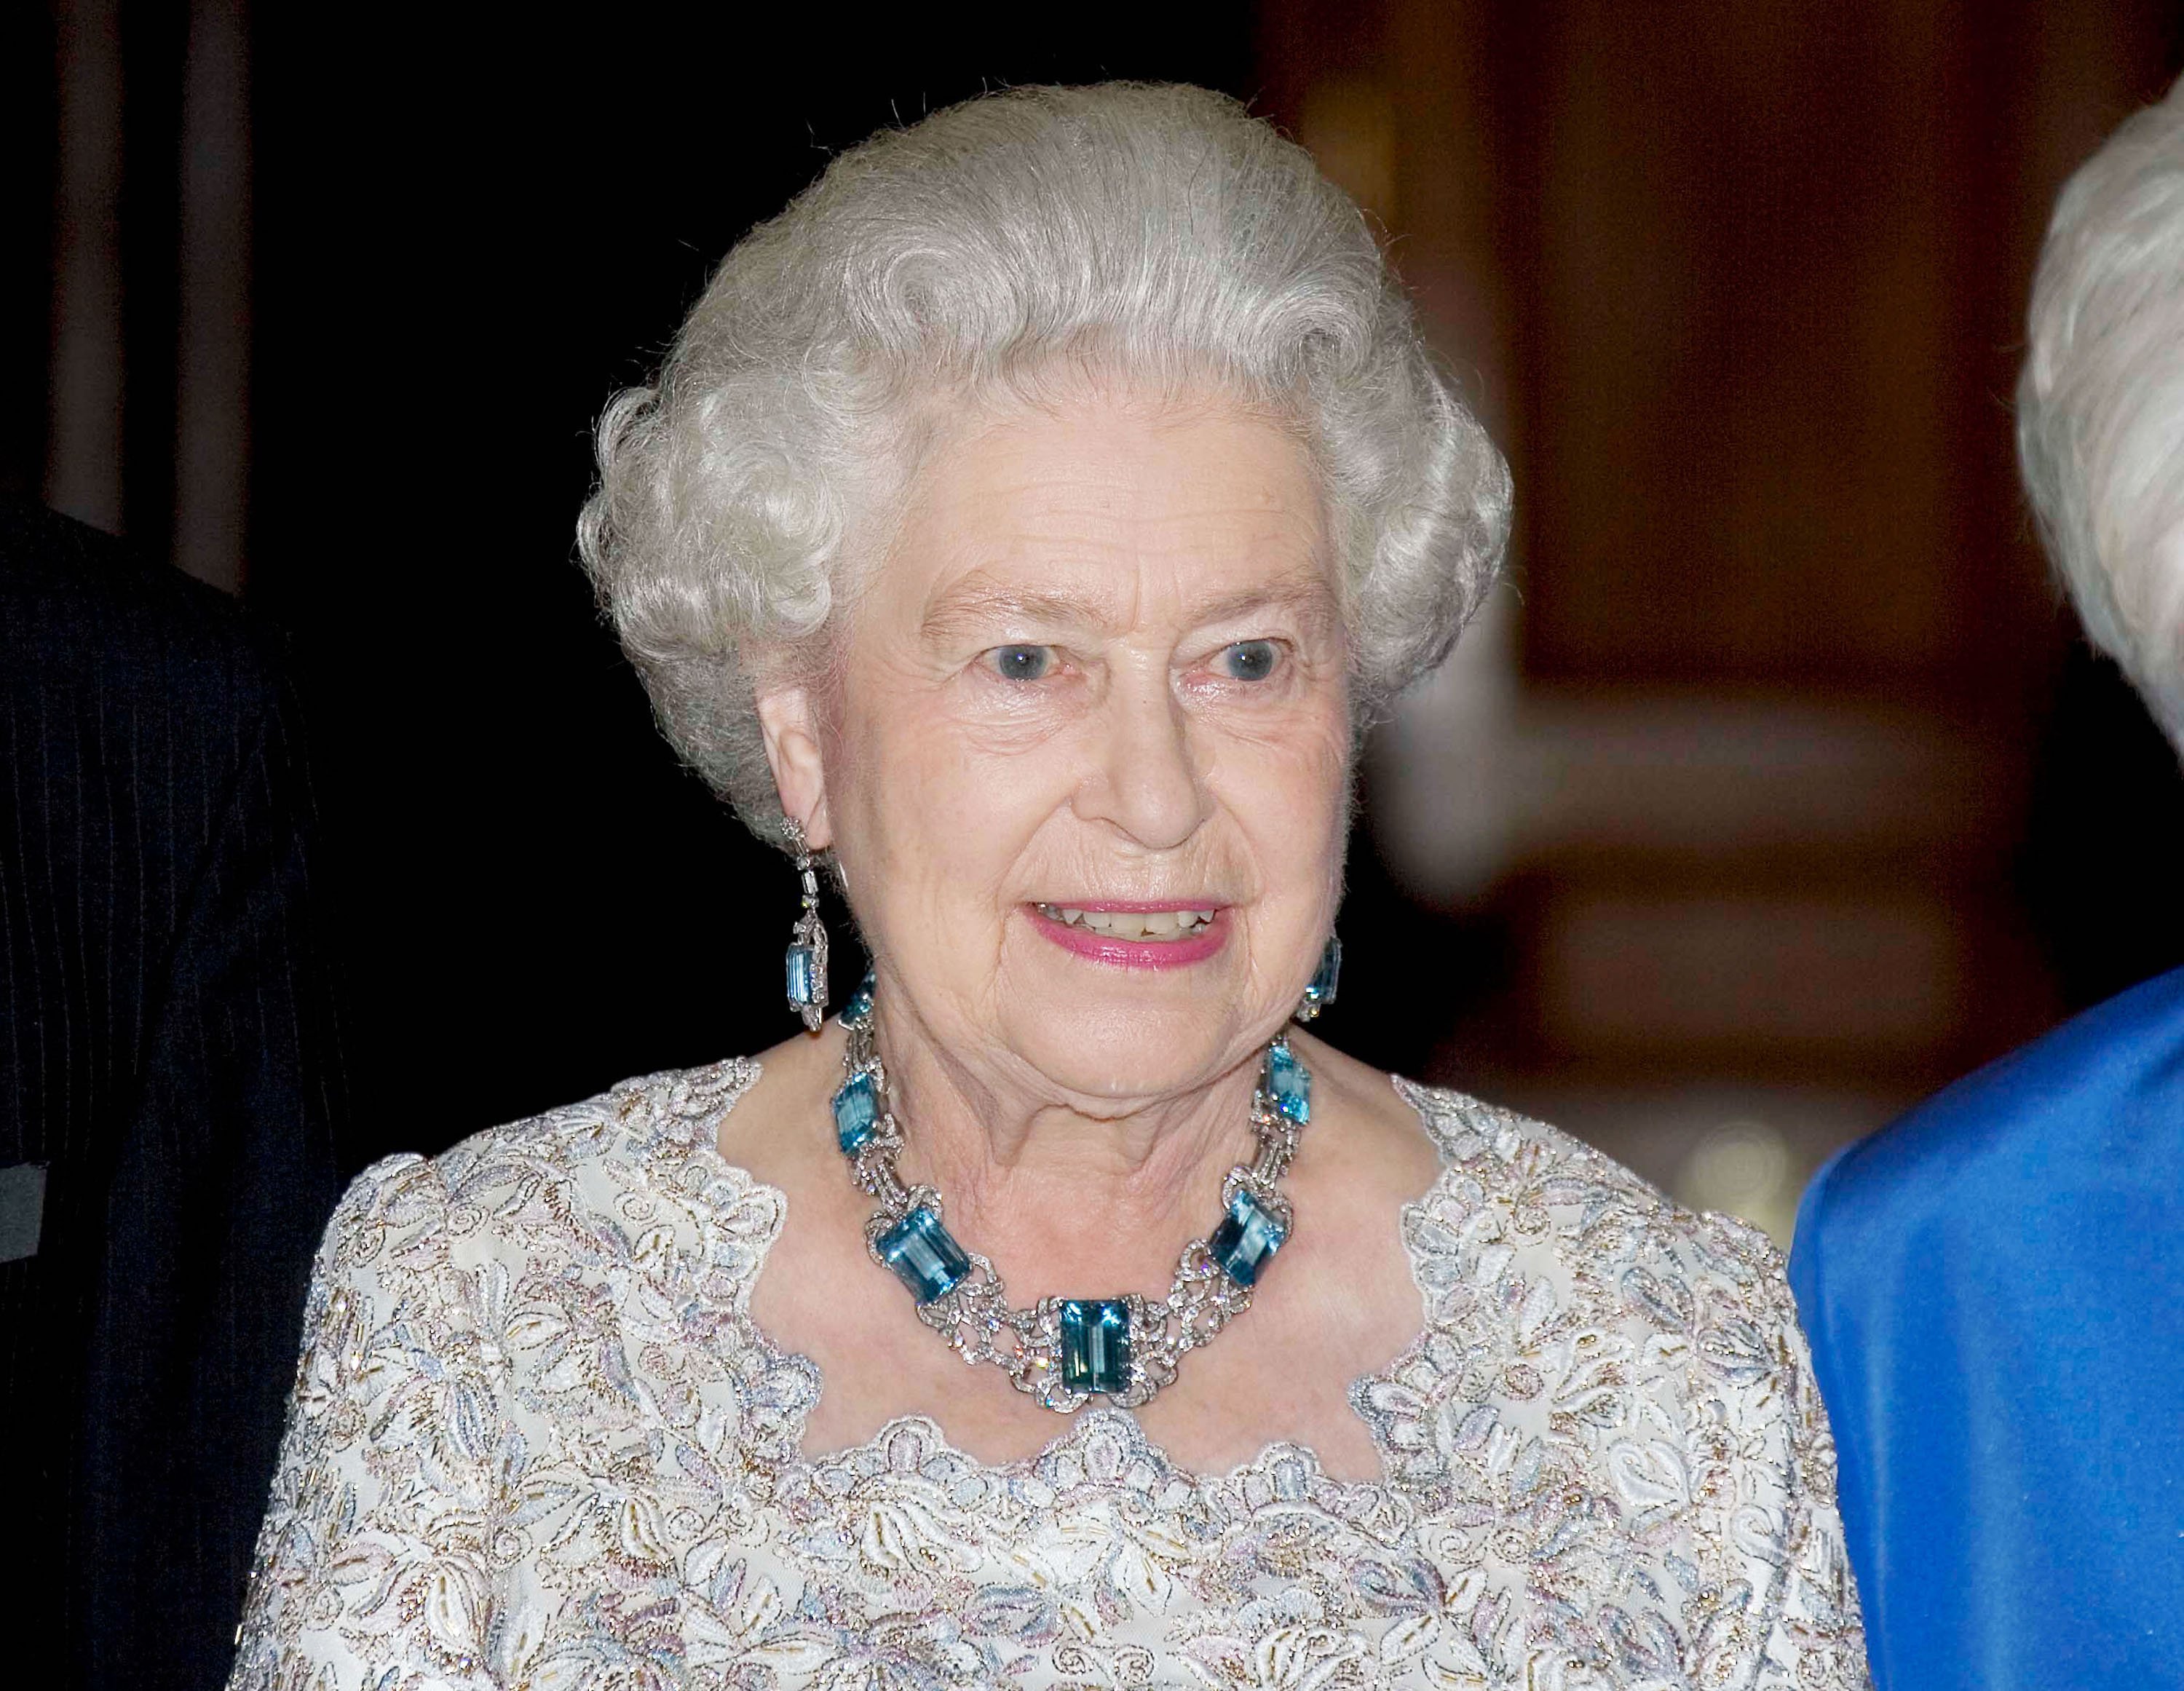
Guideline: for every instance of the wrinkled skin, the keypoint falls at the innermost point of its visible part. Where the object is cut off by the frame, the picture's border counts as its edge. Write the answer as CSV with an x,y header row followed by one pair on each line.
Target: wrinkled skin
x,y
1102,660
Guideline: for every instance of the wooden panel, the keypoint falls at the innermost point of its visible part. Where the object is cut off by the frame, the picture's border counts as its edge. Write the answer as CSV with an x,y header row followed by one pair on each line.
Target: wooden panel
x,y
1738,284
1699,971
1739,425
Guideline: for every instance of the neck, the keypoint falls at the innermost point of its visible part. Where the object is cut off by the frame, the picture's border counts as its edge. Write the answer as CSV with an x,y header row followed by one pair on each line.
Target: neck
x,y
1070,1198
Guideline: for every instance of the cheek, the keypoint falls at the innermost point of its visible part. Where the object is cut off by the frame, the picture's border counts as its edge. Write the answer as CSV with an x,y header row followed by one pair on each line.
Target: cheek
x,y
928,803
1288,795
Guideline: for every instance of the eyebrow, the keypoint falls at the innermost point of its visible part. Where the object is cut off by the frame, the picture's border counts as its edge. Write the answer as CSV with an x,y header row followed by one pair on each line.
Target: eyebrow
x,y
978,602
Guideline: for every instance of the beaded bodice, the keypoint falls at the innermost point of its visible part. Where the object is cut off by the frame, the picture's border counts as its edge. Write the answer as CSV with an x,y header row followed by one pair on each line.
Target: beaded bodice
x,y
537,1440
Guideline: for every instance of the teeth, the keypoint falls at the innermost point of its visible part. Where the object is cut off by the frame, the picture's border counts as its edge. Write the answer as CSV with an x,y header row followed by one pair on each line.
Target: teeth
x,y
1136,924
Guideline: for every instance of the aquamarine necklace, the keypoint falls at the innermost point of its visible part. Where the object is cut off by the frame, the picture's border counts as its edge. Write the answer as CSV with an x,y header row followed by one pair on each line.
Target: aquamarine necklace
x,y
1066,1351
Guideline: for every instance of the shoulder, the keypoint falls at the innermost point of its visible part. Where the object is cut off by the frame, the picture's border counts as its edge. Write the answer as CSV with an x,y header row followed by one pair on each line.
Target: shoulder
x,y
1550,1198
2106,1087
1537,1249
573,1266
2076,1140
543,1327
1996,1273
1627,1375
1502,1152
565,1184
84,608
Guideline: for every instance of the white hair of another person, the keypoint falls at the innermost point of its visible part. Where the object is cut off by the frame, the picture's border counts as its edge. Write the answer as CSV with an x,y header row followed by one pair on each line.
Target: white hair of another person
x,y
1154,235
2100,430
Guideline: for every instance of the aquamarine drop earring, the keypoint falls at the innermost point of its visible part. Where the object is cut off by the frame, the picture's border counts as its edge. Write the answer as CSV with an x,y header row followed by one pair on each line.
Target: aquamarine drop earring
x,y
1319,994
807,944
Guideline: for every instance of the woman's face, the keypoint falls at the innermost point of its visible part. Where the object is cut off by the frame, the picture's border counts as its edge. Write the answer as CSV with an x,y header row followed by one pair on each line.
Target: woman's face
x,y
1087,767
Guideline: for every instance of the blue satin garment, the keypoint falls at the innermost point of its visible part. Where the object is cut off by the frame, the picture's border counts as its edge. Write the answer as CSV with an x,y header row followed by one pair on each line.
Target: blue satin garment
x,y
1994,1291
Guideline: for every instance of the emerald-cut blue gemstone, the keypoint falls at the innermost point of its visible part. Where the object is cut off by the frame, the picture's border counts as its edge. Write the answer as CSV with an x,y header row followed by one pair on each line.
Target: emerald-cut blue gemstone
x,y
857,1112
1289,1083
1096,1345
924,1255
803,987
1247,1236
860,1005
1320,992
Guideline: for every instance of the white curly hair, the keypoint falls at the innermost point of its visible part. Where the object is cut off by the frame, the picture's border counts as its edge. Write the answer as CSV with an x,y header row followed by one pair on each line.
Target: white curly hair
x,y
2100,402
1155,233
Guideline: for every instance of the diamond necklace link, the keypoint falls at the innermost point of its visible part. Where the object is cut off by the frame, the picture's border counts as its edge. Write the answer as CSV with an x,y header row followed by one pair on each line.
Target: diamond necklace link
x,y
1066,1351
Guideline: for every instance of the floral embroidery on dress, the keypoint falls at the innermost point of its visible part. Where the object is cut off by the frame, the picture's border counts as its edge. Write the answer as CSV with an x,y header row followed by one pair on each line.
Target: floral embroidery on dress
x,y
536,1441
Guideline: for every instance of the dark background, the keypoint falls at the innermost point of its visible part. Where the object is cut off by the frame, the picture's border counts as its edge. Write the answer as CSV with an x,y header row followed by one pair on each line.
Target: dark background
x,y
1640,233
464,255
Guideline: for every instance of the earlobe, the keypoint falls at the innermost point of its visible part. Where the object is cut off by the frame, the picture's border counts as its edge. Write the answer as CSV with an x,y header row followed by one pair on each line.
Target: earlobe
x,y
793,751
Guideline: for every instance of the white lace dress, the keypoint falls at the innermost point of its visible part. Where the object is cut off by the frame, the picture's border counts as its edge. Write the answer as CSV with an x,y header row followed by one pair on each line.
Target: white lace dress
x,y
537,1442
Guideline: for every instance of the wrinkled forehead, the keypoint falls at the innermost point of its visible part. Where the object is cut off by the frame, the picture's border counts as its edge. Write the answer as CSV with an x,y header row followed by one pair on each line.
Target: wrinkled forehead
x,y
1107,508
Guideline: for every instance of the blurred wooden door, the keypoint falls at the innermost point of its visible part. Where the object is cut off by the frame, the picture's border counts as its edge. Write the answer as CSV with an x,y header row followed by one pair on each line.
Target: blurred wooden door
x,y
1740,287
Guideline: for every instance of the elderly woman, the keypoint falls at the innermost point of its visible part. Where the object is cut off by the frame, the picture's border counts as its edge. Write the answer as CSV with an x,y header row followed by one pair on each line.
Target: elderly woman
x,y
2011,1398
1022,529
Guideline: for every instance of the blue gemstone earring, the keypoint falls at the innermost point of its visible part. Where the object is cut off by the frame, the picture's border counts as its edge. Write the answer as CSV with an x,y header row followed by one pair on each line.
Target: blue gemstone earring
x,y
807,945
1320,992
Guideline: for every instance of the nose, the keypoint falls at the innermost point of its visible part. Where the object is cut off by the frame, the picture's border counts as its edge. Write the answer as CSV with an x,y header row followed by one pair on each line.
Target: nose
x,y
1143,780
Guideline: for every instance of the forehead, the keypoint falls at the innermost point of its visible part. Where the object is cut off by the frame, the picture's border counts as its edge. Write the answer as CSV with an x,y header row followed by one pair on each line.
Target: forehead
x,y
1155,507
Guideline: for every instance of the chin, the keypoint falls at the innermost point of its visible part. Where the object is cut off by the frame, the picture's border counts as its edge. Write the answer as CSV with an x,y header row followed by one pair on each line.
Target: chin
x,y
1136,1039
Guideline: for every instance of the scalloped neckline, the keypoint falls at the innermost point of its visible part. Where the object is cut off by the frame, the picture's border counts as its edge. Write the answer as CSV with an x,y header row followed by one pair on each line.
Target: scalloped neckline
x,y
802,1463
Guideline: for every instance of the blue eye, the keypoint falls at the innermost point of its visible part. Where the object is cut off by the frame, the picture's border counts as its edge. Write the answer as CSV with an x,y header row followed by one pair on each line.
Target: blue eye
x,y
1250,660
1021,663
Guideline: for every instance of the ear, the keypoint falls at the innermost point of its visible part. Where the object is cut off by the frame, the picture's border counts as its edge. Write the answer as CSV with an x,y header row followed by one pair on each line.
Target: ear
x,y
791,727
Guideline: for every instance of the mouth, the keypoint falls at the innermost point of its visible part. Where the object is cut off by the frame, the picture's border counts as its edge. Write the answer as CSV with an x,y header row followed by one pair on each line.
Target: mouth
x,y
1135,936
1146,926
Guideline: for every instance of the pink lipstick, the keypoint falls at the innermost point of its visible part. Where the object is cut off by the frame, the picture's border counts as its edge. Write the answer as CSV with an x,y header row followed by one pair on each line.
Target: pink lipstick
x,y
1126,935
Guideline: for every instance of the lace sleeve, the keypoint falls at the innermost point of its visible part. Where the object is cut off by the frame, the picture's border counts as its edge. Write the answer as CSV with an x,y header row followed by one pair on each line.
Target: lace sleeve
x,y
1814,1636
374,1562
